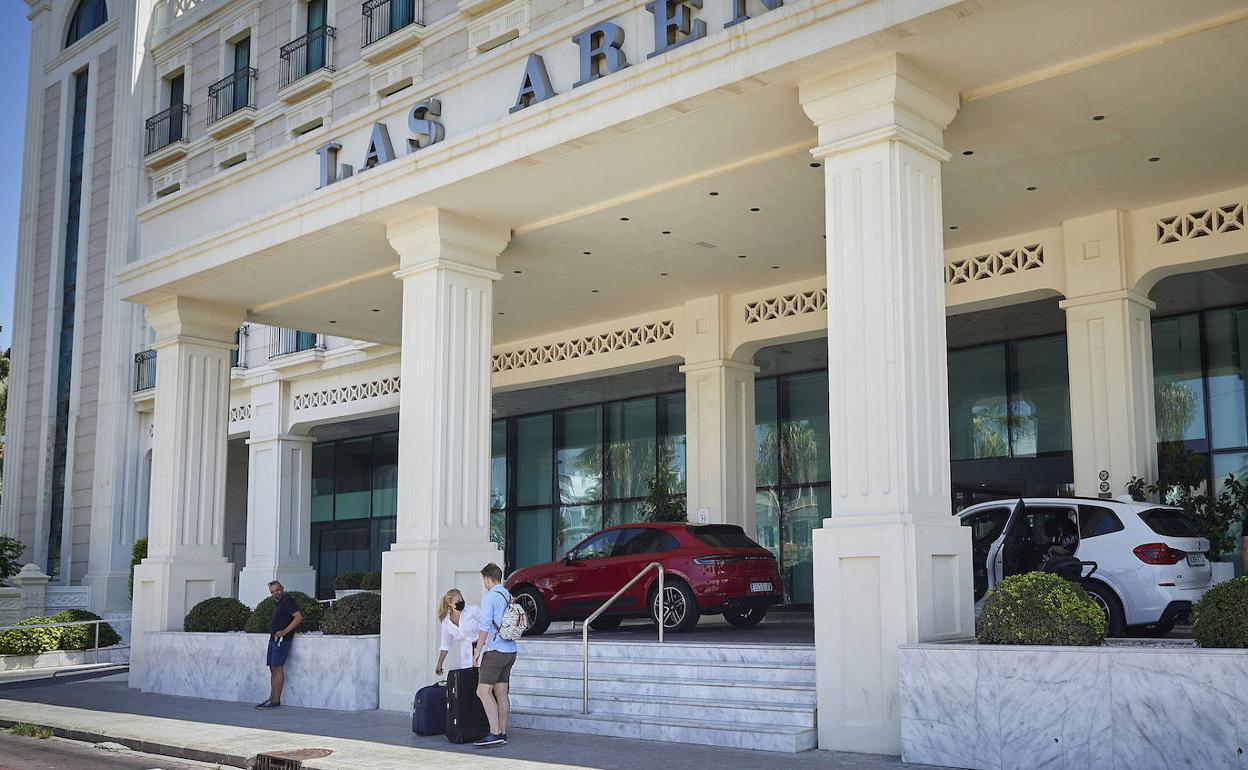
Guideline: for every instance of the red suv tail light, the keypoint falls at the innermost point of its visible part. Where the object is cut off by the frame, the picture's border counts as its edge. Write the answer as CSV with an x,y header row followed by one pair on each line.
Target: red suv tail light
x,y
1159,553
718,559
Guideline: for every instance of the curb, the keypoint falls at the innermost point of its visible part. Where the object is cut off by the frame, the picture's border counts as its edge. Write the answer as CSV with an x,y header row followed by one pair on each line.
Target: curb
x,y
146,747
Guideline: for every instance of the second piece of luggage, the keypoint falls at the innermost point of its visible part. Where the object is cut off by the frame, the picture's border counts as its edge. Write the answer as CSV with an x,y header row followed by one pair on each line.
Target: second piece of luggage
x,y
465,716
429,710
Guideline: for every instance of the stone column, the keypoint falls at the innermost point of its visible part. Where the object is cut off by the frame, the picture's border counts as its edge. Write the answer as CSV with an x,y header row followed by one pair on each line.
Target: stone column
x,y
442,539
1109,348
891,565
719,421
279,501
185,562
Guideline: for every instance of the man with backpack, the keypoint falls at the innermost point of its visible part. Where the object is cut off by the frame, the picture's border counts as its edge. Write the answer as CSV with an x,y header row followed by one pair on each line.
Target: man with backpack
x,y
496,653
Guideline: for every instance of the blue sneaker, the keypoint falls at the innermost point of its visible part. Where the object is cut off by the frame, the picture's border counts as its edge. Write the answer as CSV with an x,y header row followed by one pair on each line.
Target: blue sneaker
x,y
491,739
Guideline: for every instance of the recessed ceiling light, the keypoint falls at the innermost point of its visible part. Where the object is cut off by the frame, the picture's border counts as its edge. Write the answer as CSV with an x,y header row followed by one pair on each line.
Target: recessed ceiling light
x,y
712,193
1098,117
593,291
1031,188
953,227
587,253
501,313
740,256
662,275
376,310
775,267
1154,159
815,165
623,219
333,322
968,152
756,208
667,232
517,272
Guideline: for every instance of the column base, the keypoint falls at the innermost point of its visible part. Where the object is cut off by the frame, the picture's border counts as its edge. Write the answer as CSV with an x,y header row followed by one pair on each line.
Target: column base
x,y
879,583
414,579
110,591
164,591
253,582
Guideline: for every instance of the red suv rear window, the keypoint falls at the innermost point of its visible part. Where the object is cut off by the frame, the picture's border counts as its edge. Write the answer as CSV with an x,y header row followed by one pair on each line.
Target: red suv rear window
x,y
723,536
1170,523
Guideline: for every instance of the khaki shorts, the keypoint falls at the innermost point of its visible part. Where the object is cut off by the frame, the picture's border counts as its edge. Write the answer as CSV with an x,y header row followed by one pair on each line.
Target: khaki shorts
x,y
495,667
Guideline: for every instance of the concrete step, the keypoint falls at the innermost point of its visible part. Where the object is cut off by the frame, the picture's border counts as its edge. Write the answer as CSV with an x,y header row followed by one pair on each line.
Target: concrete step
x,y
710,687
661,709
667,668
737,735
601,646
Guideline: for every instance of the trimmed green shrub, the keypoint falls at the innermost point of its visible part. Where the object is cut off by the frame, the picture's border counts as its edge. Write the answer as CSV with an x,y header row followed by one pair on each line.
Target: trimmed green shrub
x,y
83,637
30,642
11,550
1220,618
347,581
1040,608
354,615
216,615
138,552
262,615
371,581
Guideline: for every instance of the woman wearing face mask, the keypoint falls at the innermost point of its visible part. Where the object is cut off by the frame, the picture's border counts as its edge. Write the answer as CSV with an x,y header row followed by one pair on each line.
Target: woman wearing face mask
x,y
460,622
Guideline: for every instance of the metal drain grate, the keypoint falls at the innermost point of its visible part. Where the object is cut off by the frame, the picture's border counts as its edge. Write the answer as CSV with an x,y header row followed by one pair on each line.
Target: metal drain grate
x,y
287,760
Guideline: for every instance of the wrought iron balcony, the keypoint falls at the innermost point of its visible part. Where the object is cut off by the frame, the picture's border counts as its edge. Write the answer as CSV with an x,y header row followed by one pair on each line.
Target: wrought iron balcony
x,y
286,341
385,17
231,94
144,370
167,126
307,54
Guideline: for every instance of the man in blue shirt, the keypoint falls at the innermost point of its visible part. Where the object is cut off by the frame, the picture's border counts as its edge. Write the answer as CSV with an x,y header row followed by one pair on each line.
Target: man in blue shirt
x,y
494,657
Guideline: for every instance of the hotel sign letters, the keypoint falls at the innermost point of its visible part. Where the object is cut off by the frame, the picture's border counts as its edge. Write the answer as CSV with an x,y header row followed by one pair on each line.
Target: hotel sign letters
x,y
601,49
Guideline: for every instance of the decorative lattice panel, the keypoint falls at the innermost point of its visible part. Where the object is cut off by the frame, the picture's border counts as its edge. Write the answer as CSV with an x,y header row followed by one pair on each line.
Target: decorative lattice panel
x,y
347,393
770,309
994,265
240,413
1200,224
569,350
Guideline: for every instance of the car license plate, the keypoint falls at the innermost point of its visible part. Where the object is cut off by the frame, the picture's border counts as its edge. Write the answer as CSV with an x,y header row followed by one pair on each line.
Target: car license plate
x,y
1196,560
759,588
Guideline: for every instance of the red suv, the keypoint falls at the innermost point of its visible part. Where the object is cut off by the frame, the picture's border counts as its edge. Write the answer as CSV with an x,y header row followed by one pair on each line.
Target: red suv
x,y
709,569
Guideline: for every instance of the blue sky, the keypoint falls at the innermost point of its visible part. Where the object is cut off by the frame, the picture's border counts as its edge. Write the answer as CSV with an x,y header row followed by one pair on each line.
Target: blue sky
x,y
14,49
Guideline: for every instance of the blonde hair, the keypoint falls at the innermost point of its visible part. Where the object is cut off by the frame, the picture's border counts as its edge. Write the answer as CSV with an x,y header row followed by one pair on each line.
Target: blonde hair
x,y
448,601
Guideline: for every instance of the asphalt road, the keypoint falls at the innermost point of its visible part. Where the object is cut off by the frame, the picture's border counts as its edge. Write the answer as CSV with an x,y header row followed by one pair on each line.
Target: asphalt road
x,y
18,753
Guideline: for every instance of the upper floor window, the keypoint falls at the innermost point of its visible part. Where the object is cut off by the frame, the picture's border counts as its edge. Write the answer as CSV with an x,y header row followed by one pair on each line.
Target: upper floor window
x,y
89,15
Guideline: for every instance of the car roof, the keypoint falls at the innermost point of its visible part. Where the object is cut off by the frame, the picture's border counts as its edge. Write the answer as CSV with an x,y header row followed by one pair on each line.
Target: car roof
x,y
1114,502
668,525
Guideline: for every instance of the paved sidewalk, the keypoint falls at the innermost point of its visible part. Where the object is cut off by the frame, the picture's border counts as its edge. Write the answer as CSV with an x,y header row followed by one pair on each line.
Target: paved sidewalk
x,y
103,708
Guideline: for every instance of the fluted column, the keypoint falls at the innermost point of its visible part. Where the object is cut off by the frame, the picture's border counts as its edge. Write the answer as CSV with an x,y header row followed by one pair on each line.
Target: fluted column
x,y
891,565
442,538
186,526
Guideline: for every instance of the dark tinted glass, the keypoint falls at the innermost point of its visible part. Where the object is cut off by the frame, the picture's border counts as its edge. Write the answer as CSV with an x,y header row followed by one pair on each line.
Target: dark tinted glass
x,y
1095,520
1170,522
639,541
87,16
723,536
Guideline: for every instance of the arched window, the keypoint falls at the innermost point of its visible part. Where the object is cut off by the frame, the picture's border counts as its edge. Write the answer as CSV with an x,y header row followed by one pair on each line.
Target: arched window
x,y
87,16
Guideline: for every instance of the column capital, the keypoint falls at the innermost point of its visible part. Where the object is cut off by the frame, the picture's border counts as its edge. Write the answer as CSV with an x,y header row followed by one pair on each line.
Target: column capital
x,y
718,363
183,317
884,100
439,235
1108,296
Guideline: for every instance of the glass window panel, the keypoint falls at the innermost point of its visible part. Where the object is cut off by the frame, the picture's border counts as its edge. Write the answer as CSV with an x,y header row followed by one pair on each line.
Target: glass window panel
x,y
805,509
534,460
1040,403
385,474
580,455
353,462
498,483
623,513
977,408
1233,463
1227,359
766,434
601,546
323,482
631,447
1178,391
674,450
804,451
532,537
382,537
575,523
767,516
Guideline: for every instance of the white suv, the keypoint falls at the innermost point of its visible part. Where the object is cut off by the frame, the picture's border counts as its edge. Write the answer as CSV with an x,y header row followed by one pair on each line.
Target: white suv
x,y
1152,564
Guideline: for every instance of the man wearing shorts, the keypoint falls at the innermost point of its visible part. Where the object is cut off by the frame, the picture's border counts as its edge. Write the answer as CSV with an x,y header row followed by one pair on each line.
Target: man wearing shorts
x,y
286,618
494,657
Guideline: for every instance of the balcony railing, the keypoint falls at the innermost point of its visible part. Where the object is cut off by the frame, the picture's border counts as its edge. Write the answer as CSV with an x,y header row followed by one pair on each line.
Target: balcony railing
x,y
285,341
307,54
383,17
144,370
167,126
231,94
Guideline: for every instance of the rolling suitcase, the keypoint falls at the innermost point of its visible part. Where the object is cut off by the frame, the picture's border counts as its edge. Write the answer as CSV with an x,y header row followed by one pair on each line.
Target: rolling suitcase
x,y
465,716
429,710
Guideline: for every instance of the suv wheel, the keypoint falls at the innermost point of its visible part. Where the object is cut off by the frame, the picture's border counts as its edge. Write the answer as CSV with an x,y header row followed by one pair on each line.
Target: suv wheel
x,y
680,610
530,600
1107,600
745,617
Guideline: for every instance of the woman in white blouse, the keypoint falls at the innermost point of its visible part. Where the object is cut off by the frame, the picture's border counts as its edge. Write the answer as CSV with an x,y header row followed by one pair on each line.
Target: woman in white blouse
x,y
460,622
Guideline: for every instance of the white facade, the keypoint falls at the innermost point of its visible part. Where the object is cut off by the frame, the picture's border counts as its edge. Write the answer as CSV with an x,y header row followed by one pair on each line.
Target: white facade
x,y
673,212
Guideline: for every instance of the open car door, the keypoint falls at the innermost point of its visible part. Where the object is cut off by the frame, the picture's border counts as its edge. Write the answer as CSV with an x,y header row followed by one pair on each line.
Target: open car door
x,y
1003,556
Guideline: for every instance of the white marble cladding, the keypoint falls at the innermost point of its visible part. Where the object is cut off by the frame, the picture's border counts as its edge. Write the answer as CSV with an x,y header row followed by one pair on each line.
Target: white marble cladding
x,y
324,672
64,658
1129,708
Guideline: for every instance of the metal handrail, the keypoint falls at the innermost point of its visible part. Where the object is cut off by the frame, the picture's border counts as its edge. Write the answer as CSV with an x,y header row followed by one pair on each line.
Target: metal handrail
x,y
96,623
585,630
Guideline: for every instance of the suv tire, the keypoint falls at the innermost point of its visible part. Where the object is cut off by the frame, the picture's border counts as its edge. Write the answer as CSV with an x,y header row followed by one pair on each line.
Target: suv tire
x,y
1107,600
681,612
531,600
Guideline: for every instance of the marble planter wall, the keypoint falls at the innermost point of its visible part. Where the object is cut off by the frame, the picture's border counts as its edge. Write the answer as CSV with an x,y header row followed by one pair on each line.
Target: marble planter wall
x,y
1125,708
324,672
63,658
